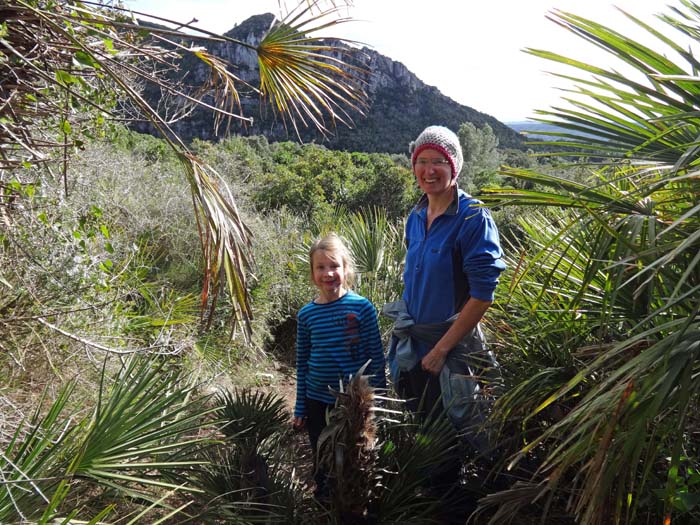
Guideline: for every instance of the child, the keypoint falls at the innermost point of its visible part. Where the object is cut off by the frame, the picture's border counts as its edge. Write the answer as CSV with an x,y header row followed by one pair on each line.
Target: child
x,y
337,333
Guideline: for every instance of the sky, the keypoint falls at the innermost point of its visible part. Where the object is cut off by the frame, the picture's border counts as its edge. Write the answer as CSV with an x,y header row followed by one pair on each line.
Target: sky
x,y
472,51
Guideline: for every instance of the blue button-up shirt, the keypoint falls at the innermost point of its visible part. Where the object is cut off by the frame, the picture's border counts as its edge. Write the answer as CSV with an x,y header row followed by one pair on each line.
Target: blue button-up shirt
x,y
459,257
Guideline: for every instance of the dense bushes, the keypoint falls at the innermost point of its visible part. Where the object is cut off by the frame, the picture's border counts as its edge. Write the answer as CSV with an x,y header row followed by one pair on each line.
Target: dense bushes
x,y
311,180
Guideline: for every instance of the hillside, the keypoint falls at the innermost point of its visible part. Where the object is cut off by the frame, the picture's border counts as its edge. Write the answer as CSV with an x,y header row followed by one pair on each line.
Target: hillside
x,y
400,105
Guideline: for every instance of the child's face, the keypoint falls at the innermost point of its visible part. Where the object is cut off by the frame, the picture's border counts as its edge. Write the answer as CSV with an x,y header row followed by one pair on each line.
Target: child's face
x,y
328,273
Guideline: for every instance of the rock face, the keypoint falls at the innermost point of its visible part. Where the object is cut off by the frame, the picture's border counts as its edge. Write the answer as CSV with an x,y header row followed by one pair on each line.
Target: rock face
x,y
400,105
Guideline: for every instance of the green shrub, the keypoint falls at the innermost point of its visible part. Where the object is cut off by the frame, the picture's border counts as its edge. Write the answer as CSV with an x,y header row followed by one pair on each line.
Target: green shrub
x,y
311,180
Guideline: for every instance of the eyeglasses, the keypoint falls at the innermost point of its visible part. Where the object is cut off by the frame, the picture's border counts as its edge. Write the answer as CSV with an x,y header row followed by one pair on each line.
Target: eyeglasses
x,y
435,162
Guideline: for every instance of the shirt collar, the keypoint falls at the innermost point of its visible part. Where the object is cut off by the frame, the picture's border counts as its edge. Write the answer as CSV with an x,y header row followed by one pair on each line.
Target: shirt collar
x,y
452,209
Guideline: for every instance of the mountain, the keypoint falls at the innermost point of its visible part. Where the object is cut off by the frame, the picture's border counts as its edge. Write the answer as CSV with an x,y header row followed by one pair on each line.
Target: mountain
x,y
400,104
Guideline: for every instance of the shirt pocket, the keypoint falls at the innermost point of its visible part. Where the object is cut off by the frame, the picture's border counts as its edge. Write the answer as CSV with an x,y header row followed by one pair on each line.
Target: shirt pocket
x,y
439,259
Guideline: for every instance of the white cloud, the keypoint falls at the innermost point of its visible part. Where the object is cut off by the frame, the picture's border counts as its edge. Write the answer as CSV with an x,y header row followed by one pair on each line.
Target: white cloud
x,y
471,50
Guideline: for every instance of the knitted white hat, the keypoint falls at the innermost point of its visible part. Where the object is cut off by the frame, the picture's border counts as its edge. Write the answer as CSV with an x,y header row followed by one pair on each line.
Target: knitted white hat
x,y
440,139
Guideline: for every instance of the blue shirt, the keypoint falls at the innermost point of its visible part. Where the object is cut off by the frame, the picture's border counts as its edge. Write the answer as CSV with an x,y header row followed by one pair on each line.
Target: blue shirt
x,y
459,257
334,340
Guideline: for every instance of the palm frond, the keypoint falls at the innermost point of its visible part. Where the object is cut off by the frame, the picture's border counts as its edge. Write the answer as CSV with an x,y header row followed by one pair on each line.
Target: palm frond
x,y
33,464
601,292
303,78
143,416
248,477
345,447
251,414
376,245
410,453
88,56
646,111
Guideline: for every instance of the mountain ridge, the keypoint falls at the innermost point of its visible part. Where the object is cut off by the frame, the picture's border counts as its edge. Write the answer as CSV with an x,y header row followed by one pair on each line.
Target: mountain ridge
x,y
400,105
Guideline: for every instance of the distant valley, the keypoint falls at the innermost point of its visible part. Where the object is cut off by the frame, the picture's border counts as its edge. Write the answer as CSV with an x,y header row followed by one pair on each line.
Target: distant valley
x,y
530,130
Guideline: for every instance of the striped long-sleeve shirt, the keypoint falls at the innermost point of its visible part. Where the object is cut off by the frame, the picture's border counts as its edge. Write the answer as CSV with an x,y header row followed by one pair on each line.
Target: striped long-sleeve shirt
x,y
334,340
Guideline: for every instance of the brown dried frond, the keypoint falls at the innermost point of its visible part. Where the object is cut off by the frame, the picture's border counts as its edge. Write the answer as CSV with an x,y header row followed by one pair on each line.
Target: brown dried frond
x,y
346,447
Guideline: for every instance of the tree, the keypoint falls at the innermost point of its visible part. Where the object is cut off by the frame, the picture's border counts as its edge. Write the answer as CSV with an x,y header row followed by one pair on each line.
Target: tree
x,y
481,156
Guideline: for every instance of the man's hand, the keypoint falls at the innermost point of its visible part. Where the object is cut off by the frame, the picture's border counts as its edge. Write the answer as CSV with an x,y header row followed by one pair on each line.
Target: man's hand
x,y
434,361
298,423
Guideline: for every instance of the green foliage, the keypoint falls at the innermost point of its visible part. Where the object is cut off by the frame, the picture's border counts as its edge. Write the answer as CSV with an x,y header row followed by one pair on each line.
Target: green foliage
x,y
250,476
388,184
408,453
380,468
141,146
481,156
66,96
303,195
240,160
32,455
378,250
113,242
602,302
310,180
249,415
143,413
518,159
103,265
282,285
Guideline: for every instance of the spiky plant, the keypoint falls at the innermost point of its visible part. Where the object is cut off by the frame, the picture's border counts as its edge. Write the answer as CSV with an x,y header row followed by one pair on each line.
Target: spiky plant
x,y
250,419
269,490
376,244
250,476
346,449
251,414
145,414
233,480
613,287
380,468
412,452
29,463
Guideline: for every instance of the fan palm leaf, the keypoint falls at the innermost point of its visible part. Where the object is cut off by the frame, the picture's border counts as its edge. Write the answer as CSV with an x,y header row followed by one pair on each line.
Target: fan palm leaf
x,y
142,417
409,453
613,282
31,460
88,55
643,112
251,415
365,233
248,477
376,245
146,416
603,290
301,77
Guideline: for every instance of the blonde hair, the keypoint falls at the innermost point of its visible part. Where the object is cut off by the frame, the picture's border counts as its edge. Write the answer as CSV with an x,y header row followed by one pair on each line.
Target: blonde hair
x,y
335,247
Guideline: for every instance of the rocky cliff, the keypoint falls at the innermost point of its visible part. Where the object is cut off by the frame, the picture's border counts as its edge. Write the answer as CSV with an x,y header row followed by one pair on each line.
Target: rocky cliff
x,y
400,105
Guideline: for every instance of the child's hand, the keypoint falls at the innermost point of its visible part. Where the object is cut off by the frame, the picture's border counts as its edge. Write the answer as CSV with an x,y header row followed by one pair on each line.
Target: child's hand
x,y
298,423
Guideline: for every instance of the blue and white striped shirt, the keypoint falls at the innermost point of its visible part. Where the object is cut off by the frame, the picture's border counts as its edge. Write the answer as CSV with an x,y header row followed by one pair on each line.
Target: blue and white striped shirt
x,y
334,340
